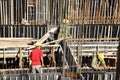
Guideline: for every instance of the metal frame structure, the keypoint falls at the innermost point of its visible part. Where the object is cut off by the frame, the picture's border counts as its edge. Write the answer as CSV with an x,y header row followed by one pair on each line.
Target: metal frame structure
x,y
93,22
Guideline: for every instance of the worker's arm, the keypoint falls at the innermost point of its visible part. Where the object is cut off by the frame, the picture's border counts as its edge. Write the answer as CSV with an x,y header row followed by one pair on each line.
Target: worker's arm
x,y
68,32
30,61
104,65
93,64
42,61
96,64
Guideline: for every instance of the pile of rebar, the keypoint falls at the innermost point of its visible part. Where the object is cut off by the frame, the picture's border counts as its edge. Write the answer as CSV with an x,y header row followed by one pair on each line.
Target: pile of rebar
x,y
53,11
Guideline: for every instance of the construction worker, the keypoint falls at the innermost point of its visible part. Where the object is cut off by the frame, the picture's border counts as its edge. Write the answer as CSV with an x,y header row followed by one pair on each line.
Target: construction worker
x,y
25,22
64,31
98,62
36,59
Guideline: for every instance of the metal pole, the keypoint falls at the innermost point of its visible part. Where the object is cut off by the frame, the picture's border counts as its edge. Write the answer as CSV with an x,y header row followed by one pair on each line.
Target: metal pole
x,y
1,9
118,63
11,31
64,52
80,48
12,12
6,11
20,58
27,3
4,62
65,35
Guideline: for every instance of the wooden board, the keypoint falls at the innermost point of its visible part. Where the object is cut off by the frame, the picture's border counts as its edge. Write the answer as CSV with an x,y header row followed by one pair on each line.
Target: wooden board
x,y
55,41
47,35
15,42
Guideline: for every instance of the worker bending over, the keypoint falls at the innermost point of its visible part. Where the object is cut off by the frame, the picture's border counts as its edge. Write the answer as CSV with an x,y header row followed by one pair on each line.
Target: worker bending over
x,y
98,62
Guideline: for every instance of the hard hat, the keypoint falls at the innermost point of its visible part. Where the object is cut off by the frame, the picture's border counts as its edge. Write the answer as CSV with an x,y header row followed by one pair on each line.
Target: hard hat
x,y
38,44
66,21
24,21
101,57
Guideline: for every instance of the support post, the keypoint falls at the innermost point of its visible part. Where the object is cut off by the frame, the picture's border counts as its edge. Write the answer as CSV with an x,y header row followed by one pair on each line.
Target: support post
x,y
118,63
12,12
64,52
65,25
4,61
20,58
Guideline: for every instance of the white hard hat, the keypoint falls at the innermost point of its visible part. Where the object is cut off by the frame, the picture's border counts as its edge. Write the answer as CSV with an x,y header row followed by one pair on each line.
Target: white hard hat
x,y
38,44
25,21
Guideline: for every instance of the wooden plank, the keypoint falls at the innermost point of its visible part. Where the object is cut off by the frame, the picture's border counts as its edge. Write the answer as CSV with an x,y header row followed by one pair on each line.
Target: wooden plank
x,y
96,45
20,58
47,35
55,41
93,50
11,55
15,42
93,39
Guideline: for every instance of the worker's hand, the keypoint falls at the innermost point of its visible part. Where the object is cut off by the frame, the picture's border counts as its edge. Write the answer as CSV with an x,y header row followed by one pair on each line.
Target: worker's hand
x,y
69,37
107,68
30,62
43,65
103,68
100,68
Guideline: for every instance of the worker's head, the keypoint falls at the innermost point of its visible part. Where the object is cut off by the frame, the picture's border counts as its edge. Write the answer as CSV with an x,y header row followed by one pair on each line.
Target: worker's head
x,y
38,44
25,21
100,57
65,21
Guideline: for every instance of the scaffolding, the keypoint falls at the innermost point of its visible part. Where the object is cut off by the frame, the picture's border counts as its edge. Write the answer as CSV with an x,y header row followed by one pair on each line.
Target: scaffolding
x,y
93,23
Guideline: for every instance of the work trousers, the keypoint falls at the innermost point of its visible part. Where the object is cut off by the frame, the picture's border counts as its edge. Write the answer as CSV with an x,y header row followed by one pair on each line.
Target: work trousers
x,y
36,69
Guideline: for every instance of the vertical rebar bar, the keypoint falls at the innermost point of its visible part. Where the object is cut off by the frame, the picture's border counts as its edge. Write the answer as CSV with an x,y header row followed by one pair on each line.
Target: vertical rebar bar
x,y
27,3
12,12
